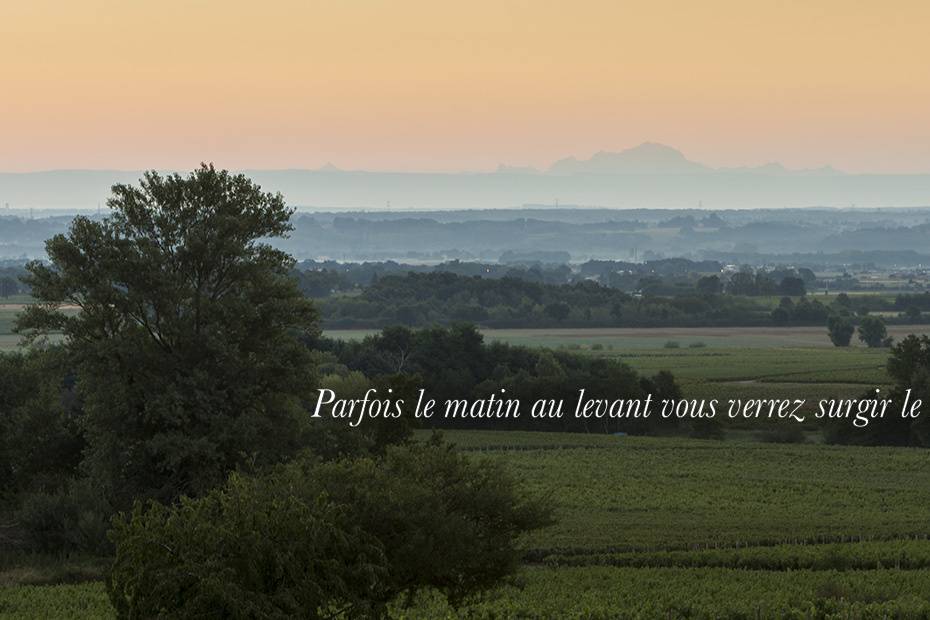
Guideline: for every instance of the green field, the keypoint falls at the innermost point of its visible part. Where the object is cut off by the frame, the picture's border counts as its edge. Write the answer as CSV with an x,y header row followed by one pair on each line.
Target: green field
x,y
88,600
628,338
688,528
9,310
635,493
684,528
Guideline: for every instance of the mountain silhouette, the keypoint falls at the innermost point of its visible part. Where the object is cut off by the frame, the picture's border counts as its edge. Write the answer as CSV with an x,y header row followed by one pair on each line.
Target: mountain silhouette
x,y
647,158
653,158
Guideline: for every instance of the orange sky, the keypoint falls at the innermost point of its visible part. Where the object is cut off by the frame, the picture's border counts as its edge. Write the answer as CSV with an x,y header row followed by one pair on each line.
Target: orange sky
x,y
441,85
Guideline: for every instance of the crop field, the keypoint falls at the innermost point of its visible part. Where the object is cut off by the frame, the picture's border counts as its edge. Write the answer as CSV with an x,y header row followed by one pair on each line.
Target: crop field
x,y
8,340
621,494
602,592
677,528
688,528
9,309
734,373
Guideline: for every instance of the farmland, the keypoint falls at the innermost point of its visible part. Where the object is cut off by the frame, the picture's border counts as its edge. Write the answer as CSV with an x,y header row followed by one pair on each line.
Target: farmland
x,y
652,527
674,527
657,527
713,494
627,338
8,312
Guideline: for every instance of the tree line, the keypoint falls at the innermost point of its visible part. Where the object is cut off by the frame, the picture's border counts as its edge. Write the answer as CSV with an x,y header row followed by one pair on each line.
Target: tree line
x,y
419,299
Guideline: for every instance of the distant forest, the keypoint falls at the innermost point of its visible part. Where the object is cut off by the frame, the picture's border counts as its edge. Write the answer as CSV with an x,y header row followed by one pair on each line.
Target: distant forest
x,y
658,293
663,293
813,238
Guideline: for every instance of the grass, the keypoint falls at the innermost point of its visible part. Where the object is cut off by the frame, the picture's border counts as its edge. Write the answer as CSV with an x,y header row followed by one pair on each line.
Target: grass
x,y
866,366
88,600
19,569
10,308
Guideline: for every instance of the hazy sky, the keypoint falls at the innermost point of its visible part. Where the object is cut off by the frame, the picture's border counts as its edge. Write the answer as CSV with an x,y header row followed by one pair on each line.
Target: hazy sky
x,y
442,85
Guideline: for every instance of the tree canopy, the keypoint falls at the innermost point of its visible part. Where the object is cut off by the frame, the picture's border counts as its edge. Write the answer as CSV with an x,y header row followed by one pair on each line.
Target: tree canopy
x,y
184,327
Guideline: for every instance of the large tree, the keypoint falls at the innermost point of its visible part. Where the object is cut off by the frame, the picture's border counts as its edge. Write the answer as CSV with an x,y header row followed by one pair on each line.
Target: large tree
x,y
185,329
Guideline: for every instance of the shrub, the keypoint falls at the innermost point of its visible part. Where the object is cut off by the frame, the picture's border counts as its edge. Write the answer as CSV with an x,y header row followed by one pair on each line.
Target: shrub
x,y
73,518
250,549
314,538
840,330
873,333
783,434
672,344
41,435
913,314
447,522
706,428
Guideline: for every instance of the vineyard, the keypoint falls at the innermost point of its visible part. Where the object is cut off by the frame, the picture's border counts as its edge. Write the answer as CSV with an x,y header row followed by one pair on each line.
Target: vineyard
x,y
599,592
651,527
626,494
677,528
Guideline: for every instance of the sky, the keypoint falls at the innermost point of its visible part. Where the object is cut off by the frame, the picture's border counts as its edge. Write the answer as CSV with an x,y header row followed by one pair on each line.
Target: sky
x,y
436,85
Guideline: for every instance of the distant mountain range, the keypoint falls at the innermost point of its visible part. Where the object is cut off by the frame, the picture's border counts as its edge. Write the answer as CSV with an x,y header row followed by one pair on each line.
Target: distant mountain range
x,y
647,158
647,176
653,158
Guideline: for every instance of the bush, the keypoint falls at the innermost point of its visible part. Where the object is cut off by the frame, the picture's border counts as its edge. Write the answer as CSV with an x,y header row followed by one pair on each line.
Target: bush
x,y
73,518
706,428
840,329
672,344
41,434
447,522
873,332
783,434
250,549
314,538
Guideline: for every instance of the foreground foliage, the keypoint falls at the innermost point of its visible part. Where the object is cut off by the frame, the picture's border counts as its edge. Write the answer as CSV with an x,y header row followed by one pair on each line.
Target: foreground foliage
x,y
246,550
313,539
